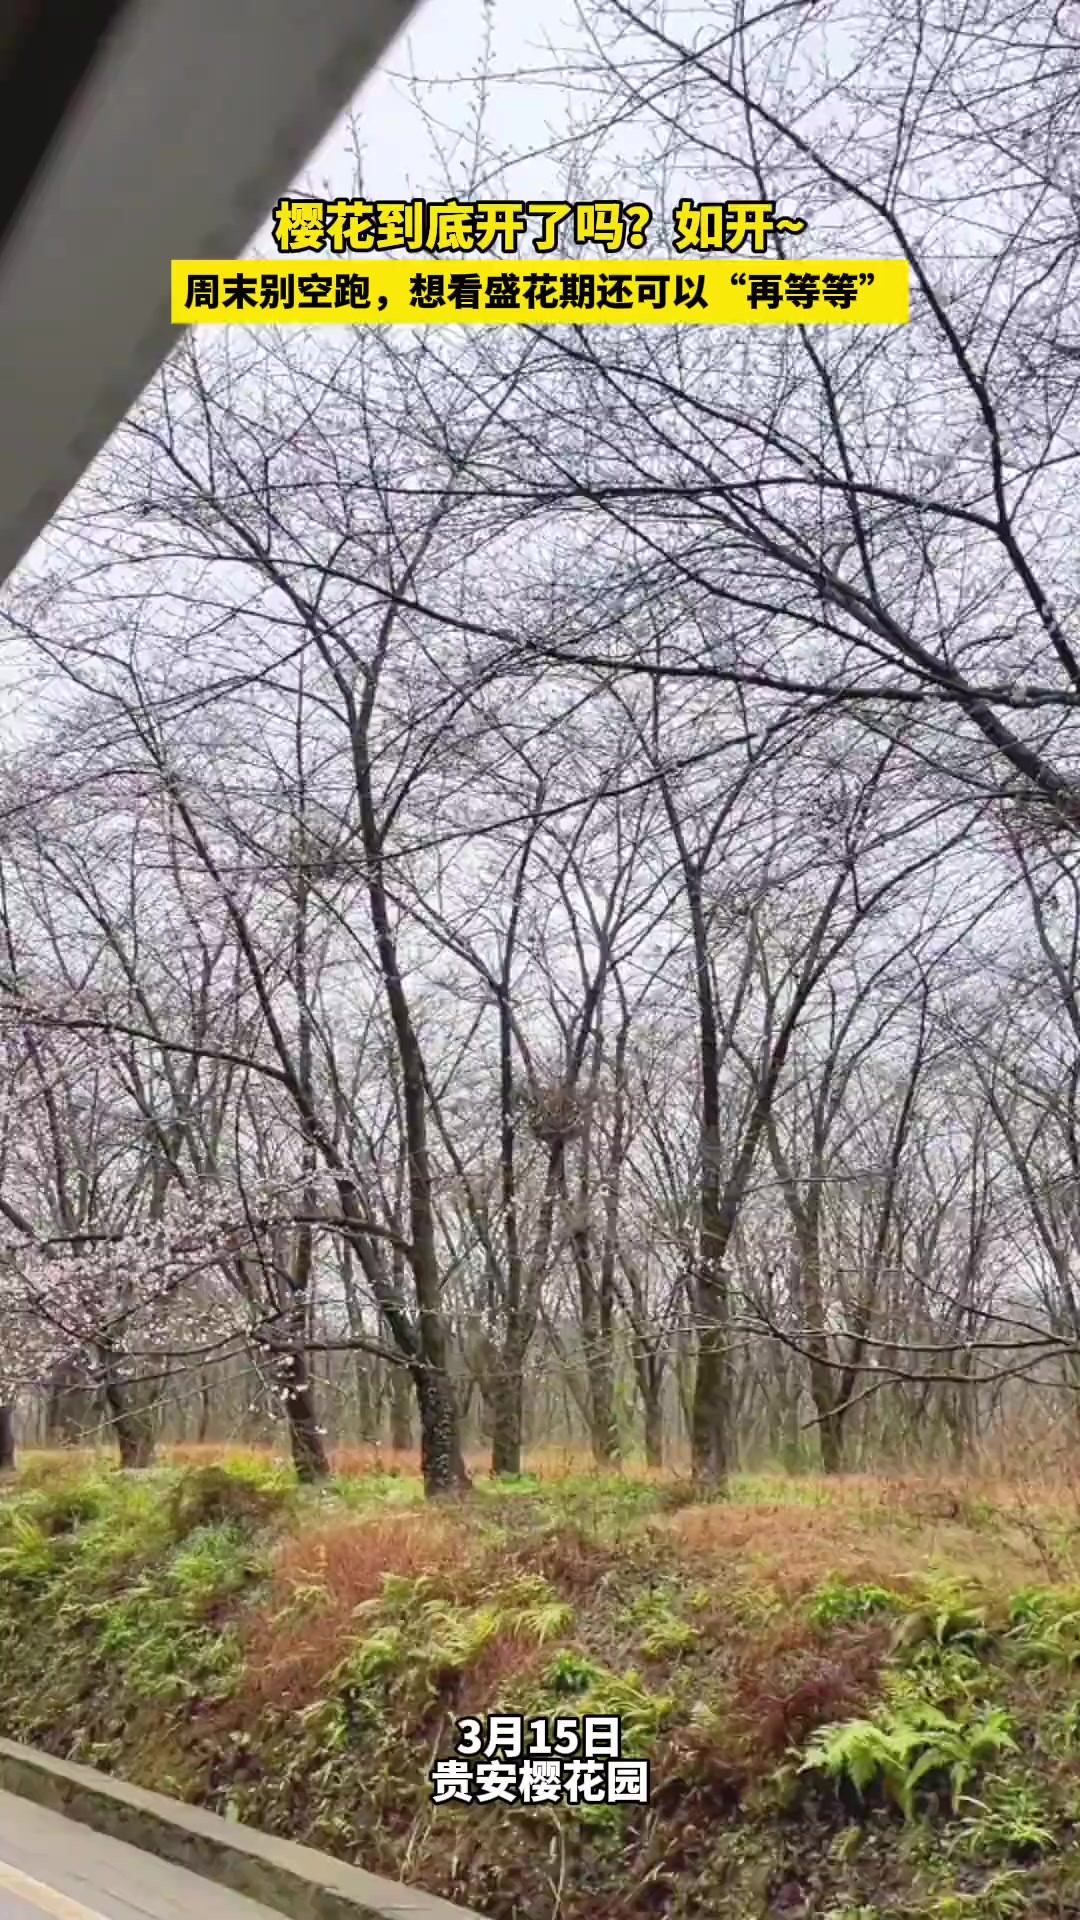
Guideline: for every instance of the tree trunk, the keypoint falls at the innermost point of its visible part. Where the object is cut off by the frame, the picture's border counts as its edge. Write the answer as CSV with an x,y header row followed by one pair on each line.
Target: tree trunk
x,y
826,1387
441,1459
305,1438
597,1344
401,1429
70,1406
367,1416
440,1428
606,1441
831,1431
132,1424
7,1439
652,1400
133,1430
789,1444
603,1426
507,1415
710,1420
711,1412
649,1374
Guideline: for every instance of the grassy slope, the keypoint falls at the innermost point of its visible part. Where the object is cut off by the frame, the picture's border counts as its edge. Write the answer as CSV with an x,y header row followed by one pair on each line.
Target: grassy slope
x,y
297,1660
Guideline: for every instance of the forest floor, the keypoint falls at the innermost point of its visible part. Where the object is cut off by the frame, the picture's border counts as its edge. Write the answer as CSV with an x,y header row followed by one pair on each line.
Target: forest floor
x,y
857,1698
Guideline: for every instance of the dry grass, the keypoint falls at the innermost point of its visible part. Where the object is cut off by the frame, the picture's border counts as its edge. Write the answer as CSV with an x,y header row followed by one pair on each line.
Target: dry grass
x,y
873,1531
692,1616
544,1463
1045,1465
782,1683
786,1530
319,1576
863,1528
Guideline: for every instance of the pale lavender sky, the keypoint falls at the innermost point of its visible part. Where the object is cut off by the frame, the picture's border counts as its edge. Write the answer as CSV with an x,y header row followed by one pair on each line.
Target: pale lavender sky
x,y
441,49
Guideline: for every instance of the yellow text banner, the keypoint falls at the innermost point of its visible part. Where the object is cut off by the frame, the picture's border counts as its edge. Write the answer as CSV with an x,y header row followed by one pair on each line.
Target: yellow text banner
x,y
474,292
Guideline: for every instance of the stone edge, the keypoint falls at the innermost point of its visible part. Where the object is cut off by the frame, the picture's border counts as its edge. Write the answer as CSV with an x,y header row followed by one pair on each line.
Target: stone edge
x,y
296,1880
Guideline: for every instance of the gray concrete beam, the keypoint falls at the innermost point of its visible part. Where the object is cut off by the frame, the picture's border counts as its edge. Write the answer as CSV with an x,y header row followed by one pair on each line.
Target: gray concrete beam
x,y
192,120
294,1880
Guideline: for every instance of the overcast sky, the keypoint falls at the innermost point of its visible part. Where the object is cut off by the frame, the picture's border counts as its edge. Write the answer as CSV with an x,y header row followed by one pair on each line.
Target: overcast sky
x,y
439,57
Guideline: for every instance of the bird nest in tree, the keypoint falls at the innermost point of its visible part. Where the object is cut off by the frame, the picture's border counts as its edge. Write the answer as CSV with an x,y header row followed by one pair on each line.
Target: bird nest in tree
x,y
553,1113
1040,824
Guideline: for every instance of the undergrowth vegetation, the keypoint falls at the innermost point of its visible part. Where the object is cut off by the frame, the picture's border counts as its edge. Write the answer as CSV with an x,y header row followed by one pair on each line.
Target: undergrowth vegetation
x,y
855,1703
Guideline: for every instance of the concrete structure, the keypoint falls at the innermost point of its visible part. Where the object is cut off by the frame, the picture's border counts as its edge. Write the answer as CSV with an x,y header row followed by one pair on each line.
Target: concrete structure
x,y
160,129
48,1865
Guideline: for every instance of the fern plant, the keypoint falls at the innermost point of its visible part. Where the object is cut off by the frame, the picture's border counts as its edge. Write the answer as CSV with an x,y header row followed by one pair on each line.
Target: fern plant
x,y
903,1749
948,1624
1044,1628
837,1602
530,1608
28,1554
663,1631
1003,1897
1010,1823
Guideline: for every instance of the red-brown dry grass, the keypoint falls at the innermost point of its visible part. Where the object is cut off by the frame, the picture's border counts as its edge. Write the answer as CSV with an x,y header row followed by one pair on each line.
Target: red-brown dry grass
x,y
793,1679
320,1576
544,1463
792,1548
574,1563
1040,1469
781,1685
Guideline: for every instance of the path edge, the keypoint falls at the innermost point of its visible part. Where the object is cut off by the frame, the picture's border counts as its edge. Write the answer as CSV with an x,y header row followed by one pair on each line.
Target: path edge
x,y
295,1880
